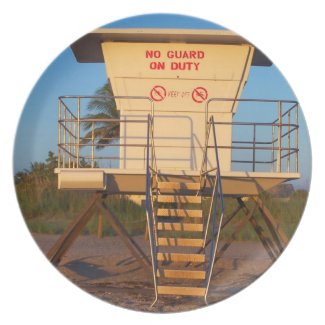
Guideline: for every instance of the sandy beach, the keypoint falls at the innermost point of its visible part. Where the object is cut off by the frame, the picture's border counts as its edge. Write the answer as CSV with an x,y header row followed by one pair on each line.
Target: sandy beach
x,y
106,269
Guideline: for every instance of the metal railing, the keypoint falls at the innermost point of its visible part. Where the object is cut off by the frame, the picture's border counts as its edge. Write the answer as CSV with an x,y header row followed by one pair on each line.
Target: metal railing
x,y
78,145
217,197
151,176
280,148
255,146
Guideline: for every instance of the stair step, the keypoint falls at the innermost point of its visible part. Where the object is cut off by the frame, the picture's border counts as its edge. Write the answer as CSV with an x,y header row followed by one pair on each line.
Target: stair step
x,y
181,274
179,213
179,199
181,257
178,186
180,226
181,291
180,242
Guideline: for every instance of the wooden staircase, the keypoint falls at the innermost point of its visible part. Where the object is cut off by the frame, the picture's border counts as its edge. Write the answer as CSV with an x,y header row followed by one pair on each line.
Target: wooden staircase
x,y
177,229
180,232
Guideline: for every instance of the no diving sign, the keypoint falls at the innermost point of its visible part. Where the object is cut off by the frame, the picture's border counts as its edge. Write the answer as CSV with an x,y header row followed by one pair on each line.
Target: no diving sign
x,y
199,94
158,93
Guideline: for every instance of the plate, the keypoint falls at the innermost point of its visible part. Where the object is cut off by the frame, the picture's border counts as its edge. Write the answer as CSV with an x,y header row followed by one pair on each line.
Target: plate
x,y
162,163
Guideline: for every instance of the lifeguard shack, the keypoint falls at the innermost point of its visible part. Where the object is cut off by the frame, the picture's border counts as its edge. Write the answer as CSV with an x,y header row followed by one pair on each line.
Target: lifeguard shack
x,y
178,94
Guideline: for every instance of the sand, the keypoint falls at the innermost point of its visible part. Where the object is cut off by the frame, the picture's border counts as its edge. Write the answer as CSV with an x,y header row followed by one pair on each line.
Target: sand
x,y
106,269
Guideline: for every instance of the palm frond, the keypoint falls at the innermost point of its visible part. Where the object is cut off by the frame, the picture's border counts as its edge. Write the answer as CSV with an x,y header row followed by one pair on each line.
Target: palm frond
x,y
88,125
102,135
106,103
102,108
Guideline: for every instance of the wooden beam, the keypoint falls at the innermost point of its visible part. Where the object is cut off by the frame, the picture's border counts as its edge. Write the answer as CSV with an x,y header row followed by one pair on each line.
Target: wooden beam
x,y
276,231
170,241
224,224
181,291
134,248
181,274
179,213
180,257
238,227
179,199
100,226
266,242
72,232
146,233
180,226
230,217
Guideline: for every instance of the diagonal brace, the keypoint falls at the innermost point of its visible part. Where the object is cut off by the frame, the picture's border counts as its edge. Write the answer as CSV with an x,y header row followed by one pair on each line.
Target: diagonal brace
x,y
74,229
266,242
277,232
135,249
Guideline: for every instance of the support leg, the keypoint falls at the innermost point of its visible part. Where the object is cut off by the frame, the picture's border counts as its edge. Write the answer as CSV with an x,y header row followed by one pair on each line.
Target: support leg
x,y
266,242
277,232
146,232
74,229
72,232
136,251
224,224
234,213
100,226
238,227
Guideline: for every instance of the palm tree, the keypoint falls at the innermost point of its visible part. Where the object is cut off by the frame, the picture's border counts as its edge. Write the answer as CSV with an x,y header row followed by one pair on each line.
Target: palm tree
x,y
104,107
39,173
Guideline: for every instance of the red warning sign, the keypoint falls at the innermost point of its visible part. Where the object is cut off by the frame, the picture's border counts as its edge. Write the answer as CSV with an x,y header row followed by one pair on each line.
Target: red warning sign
x,y
199,94
158,93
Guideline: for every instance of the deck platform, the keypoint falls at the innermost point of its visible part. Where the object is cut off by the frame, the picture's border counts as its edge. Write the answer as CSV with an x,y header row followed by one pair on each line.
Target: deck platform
x,y
119,181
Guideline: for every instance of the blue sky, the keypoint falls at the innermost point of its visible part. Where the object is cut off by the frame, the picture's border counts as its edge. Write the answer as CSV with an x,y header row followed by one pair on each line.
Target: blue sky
x,y
37,129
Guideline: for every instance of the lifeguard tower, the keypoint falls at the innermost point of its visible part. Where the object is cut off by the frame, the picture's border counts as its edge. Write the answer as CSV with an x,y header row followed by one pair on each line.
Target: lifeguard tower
x,y
180,144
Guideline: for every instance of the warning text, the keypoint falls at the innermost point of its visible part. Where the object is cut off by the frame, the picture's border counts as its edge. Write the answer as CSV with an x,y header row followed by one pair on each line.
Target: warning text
x,y
174,60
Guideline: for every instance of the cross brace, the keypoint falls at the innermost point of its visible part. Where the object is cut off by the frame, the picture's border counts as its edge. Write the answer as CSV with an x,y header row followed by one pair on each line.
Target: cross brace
x,y
74,229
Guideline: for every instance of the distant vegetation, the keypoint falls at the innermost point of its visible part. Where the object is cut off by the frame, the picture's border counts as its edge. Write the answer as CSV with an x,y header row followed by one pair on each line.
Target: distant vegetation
x,y
48,210
287,212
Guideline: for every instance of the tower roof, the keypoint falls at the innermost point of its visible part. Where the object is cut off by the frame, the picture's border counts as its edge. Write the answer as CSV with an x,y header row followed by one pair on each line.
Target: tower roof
x,y
88,48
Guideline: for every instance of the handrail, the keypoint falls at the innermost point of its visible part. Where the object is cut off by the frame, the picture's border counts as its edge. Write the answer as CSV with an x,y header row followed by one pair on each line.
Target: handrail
x,y
70,139
61,102
287,112
278,150
205,155
239,100
149,203
217,196
284,131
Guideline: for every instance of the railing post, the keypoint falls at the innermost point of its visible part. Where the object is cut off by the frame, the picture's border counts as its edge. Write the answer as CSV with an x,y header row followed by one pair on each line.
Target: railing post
x,y
207,127
152,109
151,130
289,143
279,154
206,116
92,144
64,136
78,131
254,144
297,142
215,231
273,148
149,211
69,139
59,134
152,135
74,143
